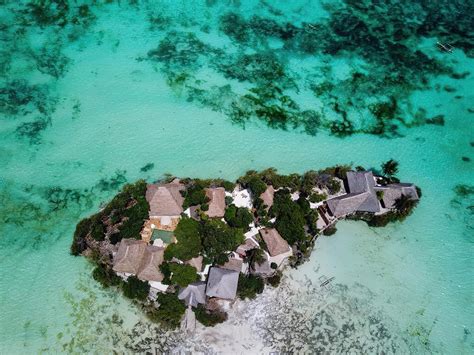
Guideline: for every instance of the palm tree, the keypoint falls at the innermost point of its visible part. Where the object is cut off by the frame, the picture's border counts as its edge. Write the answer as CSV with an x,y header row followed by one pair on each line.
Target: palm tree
x,y
404,204
255,256
390,168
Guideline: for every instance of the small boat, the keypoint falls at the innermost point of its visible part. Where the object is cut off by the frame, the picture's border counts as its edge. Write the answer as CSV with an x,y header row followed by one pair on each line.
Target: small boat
x,y
445,47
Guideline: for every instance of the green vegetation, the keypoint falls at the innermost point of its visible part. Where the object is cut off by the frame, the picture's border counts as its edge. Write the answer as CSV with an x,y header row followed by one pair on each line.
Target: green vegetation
x,y
390,168
255,256
218,239
132,207
105,276
188,239
194,196
182,275
134,288
249,286
404,206
170,311
209,318
274,280
330,230
238,217
253,181
290,220
316,197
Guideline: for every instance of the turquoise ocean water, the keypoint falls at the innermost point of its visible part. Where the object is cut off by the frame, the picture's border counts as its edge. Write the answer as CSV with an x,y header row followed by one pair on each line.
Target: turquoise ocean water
x,y
86,104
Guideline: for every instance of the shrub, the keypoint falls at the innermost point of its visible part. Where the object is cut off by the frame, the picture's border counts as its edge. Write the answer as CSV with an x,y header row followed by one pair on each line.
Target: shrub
x,y
188,239
195,195
249,286
218,239
315,197
134,288
274,266
330,231
182,275
274,280
169,312
78,242
238,217
105,276
209,318
290,220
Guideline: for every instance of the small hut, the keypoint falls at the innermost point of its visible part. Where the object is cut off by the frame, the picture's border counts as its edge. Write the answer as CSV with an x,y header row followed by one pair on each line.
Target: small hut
x,y
193,294
267,197
276,245
166,204
216,202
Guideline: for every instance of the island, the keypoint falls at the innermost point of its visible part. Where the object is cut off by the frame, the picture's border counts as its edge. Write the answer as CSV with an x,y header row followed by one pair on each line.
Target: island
x,y
185,249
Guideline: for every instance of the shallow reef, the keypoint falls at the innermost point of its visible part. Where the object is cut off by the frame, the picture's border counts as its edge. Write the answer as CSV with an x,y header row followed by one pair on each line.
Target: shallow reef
x,y
371,99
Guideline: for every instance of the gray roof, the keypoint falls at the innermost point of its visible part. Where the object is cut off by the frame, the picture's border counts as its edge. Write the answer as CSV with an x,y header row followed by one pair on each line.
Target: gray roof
x,y
129,256
233,264
361,196
193,294
216,197
350,203
360,181
263,269
165,199
392,192
222,283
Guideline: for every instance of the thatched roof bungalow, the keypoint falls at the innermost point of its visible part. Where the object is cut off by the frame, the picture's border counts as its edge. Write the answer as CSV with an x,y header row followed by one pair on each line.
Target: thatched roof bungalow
x,y
149,267
267,197
276,245
216,197
165,199
129,255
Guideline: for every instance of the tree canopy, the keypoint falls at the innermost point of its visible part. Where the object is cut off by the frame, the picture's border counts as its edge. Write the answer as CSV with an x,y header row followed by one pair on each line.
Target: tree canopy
x,y
188,244
390,168
182,275
218,239
170,311
135,289
238,217
290,219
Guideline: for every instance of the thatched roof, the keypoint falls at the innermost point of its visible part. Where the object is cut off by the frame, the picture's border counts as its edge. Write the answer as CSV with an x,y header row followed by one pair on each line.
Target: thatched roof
x,y
193,294
267,197
216,202
129,256
149,269
196,263
233,264
249,243
393,192
276,245
165,199
222,283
